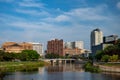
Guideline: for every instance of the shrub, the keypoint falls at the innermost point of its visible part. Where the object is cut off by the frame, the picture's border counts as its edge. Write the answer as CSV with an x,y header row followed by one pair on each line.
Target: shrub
x,y
105,58
114,58
90,68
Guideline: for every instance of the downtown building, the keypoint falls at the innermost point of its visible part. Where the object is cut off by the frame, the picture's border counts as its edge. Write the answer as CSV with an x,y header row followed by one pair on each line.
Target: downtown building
x,y
75,44
65,48
96,37
13,47
37,47
73,48
109,40
55,47
96,40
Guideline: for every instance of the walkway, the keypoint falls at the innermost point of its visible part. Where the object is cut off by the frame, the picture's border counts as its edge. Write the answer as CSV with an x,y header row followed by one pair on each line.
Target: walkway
x,y
57,61
109,68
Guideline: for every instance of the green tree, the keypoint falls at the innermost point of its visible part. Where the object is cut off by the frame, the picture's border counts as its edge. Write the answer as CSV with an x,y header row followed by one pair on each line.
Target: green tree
x,y
118,43
112,50
27,55
114,58
99,55
1,55
89,67
105,58
8,56
5,56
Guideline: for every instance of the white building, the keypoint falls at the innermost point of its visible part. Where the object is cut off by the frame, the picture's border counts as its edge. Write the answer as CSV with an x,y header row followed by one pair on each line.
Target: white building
x,y
68,45
96,40
75,44
79,44
96,37
38,47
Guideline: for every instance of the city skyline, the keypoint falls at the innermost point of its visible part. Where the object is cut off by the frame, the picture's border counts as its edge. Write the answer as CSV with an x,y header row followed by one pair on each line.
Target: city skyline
x,y
70,20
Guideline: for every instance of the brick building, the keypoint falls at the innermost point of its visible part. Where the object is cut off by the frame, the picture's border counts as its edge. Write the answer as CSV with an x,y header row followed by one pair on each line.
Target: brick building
x,y
55,46
59,47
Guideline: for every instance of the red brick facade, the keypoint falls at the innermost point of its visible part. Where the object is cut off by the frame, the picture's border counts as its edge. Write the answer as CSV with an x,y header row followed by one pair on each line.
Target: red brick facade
x,y
55,46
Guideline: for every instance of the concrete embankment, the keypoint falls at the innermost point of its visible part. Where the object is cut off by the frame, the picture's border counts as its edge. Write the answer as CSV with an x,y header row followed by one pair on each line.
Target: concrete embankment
x,y
109,68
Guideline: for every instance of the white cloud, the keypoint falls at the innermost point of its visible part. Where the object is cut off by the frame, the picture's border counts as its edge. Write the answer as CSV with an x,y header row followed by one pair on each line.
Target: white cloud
x,y
87,14
80,14
32,7
58,19
33,12
31,3
10,18
61,18
118,5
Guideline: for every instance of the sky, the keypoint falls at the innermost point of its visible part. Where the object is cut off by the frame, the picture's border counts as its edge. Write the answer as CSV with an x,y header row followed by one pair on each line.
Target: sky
x,y
70,20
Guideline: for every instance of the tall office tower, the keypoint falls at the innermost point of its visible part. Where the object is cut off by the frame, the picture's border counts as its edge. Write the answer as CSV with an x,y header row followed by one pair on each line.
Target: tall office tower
x,y
96,40
96,37
55,46
38,47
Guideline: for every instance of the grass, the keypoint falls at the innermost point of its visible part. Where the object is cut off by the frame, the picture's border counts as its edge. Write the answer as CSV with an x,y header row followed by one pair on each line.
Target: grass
x,y
21,66
112,64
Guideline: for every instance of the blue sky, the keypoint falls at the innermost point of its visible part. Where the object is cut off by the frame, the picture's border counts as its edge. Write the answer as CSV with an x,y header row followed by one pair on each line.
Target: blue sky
x,y
70,20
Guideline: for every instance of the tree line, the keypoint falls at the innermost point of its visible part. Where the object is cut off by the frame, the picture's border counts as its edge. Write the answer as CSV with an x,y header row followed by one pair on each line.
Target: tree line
x,y
25,55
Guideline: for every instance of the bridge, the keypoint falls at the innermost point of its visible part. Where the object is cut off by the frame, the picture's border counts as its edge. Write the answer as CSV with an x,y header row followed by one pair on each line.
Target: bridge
x,y
57,61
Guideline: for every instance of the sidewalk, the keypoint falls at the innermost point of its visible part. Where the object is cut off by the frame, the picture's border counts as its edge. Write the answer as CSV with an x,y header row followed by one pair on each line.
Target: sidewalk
x,y
110,68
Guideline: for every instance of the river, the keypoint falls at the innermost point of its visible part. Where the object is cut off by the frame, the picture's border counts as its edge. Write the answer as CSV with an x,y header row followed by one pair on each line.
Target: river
x,y
60,72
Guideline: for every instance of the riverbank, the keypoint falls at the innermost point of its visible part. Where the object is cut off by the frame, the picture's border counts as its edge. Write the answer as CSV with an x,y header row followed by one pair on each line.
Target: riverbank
x,y
102,67
110,67
21,66
89,67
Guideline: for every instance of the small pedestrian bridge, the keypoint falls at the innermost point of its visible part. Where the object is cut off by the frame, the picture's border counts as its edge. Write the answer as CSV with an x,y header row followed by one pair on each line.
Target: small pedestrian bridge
x,y
58,61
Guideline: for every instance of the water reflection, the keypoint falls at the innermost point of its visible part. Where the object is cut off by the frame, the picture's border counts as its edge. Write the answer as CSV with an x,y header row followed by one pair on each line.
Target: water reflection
x,y
111,75
64,68
60,72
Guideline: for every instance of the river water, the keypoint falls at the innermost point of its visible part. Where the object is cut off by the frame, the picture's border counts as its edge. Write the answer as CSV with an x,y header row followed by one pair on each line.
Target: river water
x,y
60,72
